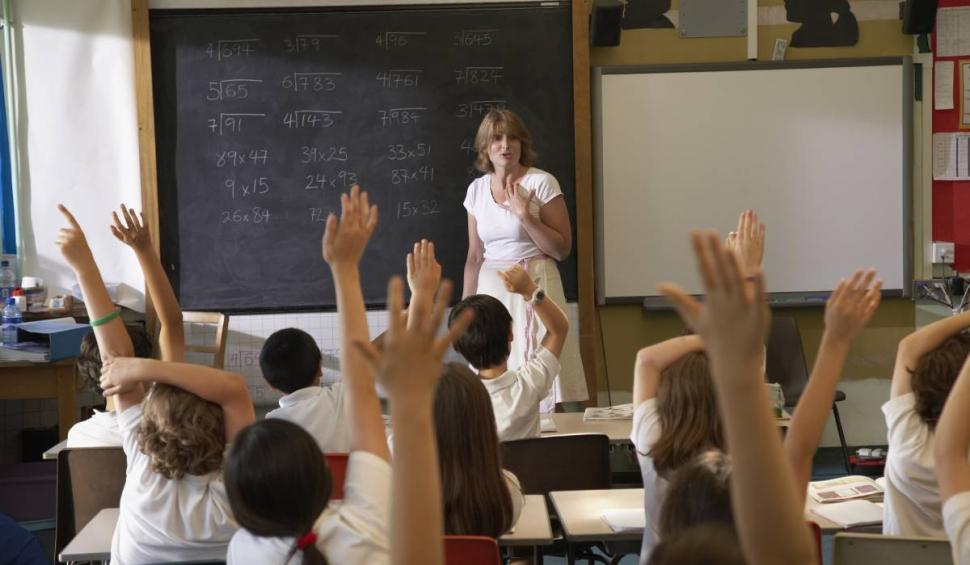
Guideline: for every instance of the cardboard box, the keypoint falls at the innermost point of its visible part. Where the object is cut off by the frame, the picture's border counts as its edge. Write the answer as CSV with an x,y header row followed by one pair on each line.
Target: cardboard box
x,y
62,336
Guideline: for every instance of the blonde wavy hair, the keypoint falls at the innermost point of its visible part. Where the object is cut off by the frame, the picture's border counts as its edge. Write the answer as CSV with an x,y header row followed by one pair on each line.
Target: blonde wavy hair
x,y
181,433
496,122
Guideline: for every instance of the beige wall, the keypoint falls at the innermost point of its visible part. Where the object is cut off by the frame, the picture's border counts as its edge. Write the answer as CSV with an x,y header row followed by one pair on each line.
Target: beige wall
x,y
627,328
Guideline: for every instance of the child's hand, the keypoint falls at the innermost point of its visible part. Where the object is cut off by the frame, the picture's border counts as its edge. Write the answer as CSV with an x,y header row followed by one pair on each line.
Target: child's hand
x,y
133,233
731,321
120,375
748,242
424,271
409,363
72,243
517,280
851,305
344,241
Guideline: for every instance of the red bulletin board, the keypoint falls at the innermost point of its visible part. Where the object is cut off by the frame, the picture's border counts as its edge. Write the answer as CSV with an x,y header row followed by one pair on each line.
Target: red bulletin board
x,y
951,199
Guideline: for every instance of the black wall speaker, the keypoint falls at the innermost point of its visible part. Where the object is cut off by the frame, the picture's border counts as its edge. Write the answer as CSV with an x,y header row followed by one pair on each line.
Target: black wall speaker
x,y
604,23
919,16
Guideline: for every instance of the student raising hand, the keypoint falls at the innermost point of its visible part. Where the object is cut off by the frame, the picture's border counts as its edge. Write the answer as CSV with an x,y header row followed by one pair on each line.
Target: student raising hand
x,y
732,322
748,242
408,367
344,241
848,310
424,275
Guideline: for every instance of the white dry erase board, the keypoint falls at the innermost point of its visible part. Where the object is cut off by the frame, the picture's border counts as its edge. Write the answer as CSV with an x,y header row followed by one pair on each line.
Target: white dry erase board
x,y
821,150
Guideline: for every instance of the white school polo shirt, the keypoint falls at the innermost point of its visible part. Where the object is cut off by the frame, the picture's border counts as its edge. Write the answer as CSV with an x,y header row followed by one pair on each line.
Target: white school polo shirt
x,y
100,430
320,411
354,530
498,227
956,518
912,502
162,520
646,431
516,395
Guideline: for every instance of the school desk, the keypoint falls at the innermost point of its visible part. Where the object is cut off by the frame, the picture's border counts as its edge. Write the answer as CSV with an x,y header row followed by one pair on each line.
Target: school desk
x,y
617,430
51,454
532,528
20,380
93,542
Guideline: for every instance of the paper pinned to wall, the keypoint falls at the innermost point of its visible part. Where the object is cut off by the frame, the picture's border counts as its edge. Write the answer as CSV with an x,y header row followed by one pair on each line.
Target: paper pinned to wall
x,y
943,85
951,156
953,32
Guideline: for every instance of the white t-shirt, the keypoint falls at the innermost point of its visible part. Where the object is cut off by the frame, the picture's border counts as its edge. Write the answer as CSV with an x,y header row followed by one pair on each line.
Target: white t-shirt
x,y
320,411
516,395
956,518
498,227
912,501
162,520
100,430
354,530
515,493
646,431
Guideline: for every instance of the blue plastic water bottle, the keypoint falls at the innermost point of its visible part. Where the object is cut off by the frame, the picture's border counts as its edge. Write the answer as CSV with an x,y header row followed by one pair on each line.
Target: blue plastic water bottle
x,y
11,319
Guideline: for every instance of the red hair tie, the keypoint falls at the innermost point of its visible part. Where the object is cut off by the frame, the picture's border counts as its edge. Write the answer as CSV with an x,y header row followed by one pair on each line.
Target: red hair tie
x,y
307,540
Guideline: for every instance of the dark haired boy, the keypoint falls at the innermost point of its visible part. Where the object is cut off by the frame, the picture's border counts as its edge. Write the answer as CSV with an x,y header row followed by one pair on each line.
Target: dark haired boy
x,y
290,361
927,364
485,344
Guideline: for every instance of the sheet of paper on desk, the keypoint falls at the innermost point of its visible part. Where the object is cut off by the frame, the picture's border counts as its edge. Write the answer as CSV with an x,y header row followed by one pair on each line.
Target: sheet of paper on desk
x,y
943,85
618,412
951,156
625,519
547,424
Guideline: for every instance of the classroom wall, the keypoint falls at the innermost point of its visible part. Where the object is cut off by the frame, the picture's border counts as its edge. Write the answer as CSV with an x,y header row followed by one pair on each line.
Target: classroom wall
x,y
869,367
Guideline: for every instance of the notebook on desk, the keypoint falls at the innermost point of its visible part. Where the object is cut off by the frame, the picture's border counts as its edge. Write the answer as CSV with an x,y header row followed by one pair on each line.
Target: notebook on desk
x,y
625,519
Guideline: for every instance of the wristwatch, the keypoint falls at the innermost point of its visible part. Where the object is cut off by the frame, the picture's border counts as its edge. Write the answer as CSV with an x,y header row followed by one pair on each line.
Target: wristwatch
x,y
537,297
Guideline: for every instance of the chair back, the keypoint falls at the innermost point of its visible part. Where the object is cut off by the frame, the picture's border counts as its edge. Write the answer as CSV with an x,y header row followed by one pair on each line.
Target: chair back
x,y
215,322
337,463
851,548
785,363
471,550
88,480
562,462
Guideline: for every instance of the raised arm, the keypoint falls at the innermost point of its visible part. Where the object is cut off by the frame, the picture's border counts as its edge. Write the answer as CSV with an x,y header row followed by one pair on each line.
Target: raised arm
x,y
551,231
344,242
848,310
133,232
112,338
224,388
654,359
922,341
952,442
424,276
517,280
474,259
408,368
732,322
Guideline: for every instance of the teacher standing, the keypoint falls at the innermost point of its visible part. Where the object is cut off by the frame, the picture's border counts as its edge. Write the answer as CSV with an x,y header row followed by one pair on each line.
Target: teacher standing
x,y
517,215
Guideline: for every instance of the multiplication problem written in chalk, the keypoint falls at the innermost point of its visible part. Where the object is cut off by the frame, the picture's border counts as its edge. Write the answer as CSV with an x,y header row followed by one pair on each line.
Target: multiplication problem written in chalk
x,y
239,158
254,215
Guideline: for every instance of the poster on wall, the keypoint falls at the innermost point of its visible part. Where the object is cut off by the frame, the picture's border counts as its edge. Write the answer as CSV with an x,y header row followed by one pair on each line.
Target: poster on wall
x,y
646,14
825,23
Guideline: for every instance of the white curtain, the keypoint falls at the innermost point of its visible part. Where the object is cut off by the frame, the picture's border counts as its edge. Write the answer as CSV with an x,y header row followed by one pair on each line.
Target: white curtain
x,y
78,134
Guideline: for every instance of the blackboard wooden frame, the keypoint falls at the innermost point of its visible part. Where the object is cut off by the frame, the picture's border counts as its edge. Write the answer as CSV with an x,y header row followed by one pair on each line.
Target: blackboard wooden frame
x,y
590,336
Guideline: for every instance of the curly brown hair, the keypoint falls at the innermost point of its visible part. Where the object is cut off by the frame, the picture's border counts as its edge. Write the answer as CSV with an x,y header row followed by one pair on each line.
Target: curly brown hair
x,y
689,420
496,122
89,358
935,374
181,433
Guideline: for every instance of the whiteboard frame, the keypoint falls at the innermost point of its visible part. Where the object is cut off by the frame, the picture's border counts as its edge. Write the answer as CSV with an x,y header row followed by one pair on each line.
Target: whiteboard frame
x,y
783,299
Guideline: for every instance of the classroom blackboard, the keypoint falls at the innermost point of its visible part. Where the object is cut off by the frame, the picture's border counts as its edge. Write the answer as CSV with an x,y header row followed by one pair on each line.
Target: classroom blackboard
x,y
264,118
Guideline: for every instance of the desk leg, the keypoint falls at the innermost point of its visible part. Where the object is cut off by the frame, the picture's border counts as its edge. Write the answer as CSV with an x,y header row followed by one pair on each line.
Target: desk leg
x,y
570,553
66,400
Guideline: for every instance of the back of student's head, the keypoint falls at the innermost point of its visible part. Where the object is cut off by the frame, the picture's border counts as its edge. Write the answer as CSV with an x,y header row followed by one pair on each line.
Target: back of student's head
x,y
687,407
935,374
705,544
290,360
476,496
486,341
181,433
278,483
89,358
699,493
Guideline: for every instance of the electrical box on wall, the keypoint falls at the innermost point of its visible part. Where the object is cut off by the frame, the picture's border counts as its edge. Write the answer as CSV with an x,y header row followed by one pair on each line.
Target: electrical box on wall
x,y
941,252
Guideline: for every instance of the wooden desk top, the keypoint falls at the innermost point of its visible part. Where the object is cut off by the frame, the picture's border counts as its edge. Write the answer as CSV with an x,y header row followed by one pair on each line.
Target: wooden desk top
x,y
617,430
533,527
580,512
93,542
